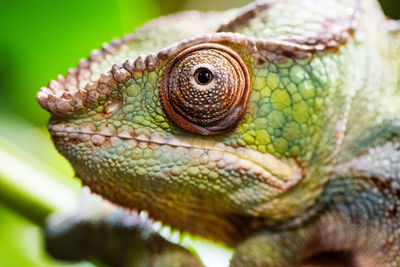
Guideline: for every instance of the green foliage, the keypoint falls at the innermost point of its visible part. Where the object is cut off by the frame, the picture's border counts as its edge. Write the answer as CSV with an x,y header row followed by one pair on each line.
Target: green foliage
x,y
41,39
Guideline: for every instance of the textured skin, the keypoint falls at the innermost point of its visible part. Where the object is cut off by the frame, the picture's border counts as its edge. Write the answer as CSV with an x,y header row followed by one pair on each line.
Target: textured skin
x,y
313,164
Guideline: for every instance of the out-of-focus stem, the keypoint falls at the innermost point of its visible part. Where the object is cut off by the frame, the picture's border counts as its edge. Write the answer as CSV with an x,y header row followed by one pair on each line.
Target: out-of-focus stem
x,y
32,193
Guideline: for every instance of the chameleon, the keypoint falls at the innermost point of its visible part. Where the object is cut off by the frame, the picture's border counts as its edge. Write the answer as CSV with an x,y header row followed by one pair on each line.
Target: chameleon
x,y
273,128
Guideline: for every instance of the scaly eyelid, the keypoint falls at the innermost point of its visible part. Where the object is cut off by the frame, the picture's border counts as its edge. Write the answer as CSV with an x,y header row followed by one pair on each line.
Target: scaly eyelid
x,y
204,109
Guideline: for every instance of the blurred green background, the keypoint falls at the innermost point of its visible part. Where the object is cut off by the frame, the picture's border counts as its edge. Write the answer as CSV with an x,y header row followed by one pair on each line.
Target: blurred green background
x,y
40,39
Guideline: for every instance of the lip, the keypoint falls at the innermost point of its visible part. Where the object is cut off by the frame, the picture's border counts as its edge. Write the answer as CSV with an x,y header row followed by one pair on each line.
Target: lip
x,y
281,174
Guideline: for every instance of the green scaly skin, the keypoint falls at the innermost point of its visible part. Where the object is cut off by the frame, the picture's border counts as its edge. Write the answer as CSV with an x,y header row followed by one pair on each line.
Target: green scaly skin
x,y
313,163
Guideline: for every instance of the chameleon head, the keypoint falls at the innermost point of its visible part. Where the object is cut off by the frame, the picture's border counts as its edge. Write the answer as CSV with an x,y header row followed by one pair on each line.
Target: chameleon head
x,y
205,133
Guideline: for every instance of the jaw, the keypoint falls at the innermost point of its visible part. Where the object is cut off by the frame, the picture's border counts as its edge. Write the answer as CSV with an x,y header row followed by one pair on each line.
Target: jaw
x,y
192,184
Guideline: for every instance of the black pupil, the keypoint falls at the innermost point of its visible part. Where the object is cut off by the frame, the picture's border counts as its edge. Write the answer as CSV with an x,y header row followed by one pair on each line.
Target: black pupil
x,y
204,76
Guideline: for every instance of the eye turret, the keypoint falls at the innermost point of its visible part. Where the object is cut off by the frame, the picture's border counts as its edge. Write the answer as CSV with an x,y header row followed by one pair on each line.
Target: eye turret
x,y
205,89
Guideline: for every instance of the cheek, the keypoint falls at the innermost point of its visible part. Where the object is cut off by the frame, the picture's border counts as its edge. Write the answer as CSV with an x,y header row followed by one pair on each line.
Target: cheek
x,y
149,176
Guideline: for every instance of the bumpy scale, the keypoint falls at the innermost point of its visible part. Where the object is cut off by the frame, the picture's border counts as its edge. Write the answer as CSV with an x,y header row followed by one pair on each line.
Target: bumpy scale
x,y
273,128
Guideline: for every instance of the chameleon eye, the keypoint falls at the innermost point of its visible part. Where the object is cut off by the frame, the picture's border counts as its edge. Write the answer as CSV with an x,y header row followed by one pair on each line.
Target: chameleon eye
x,y
203,76
205,89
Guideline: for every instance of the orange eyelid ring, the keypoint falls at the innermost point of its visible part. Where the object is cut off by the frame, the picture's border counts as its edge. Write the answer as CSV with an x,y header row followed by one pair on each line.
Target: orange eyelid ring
x,y
209,108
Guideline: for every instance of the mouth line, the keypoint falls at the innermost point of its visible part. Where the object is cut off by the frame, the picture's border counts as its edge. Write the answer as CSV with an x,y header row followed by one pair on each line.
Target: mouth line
x,y
280,173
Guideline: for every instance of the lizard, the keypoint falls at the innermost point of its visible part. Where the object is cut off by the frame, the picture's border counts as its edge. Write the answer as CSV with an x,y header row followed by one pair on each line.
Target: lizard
x,y
272,128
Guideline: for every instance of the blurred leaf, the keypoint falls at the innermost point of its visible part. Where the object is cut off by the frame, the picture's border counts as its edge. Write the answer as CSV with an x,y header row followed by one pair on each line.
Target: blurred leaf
x,y
30,187
25,183
41,39
21,244
33,140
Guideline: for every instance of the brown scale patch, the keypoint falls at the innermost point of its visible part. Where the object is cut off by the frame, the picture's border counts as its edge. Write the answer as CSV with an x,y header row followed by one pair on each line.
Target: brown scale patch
x,y
73,141
261,61
392,212
382,185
